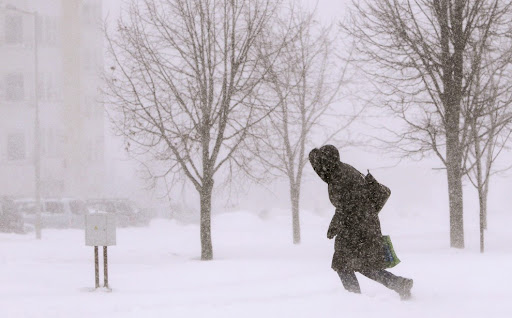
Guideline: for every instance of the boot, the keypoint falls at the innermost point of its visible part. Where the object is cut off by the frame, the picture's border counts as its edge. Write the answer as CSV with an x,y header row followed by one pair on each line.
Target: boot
x,y
404,288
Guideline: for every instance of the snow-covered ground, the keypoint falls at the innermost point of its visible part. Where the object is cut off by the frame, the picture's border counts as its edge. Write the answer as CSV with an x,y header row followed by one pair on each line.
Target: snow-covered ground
x,y
257,272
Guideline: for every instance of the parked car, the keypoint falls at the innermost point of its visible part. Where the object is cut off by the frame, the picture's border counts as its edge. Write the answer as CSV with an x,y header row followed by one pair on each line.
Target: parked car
x,y
127,212
55,213
10,219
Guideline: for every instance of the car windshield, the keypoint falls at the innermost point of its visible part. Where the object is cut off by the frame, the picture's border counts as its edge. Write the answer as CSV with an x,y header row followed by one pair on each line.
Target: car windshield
x,y
102,206
77,207
27,207
54,207
124,208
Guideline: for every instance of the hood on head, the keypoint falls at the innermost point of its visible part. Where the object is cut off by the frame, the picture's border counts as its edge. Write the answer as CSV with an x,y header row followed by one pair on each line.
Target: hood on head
x,y
324,161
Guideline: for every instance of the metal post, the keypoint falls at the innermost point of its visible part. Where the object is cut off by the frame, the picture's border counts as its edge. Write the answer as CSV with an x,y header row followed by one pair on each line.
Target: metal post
x,y
96,268
37,136
105,267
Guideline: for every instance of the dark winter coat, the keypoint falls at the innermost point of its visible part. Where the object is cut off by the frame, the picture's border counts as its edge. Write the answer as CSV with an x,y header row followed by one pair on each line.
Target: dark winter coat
x,y
358,245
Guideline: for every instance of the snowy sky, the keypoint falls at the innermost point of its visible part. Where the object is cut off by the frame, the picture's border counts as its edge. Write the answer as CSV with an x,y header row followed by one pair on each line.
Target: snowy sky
x,y
327,9
400,178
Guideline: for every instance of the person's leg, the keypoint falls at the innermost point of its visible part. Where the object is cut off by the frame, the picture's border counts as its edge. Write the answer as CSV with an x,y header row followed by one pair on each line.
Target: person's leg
x,y
399,284
349,281
384,277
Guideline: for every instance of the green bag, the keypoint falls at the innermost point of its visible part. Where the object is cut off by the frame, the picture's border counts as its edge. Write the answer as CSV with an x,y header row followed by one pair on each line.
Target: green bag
x,y
389,253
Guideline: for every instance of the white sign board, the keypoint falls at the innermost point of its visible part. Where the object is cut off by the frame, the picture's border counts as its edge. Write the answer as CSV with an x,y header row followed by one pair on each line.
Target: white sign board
x,y
100,229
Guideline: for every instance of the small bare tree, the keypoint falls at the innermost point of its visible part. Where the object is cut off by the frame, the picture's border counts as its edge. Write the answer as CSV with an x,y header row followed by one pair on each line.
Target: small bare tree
x,y
421,57
183,87
305,83
489,115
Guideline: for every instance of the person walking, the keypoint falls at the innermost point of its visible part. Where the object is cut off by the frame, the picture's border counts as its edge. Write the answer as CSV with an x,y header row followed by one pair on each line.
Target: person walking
x,y
359,246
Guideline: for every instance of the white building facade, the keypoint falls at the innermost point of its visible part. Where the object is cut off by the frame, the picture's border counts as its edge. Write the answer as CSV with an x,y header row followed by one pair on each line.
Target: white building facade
x,y
70,62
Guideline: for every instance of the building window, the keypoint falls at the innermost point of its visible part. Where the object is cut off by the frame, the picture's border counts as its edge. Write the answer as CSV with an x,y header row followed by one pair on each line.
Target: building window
x,y
48,87
100,148
14,87
51,143
13,29
91,14
16,147
99,109
51,31
89,151
88,106
44,147
47,31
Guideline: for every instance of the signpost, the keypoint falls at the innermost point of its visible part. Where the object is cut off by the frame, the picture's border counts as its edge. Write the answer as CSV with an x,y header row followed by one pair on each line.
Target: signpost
x,y
100,230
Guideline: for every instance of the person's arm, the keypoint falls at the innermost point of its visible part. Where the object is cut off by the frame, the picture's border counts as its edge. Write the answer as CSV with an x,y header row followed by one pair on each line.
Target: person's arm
x,y
335,225
378,194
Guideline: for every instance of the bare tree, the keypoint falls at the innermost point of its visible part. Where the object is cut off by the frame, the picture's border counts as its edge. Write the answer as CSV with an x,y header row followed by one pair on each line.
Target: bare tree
x,y
183,87
490,116
305,83
418,53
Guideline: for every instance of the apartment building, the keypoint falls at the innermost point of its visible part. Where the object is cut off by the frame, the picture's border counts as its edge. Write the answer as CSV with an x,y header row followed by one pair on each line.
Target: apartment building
x,y
71,116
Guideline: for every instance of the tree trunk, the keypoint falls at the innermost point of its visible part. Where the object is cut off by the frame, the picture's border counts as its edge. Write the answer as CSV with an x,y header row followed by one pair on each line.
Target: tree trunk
x,y
481,201
456,203
452,66
295,196
488,165
480,183
205,222
482,192
454,173
484,213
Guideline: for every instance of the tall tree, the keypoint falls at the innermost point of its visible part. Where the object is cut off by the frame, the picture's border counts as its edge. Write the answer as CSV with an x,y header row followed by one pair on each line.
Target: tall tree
x,y
305,82
418,54
183,87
